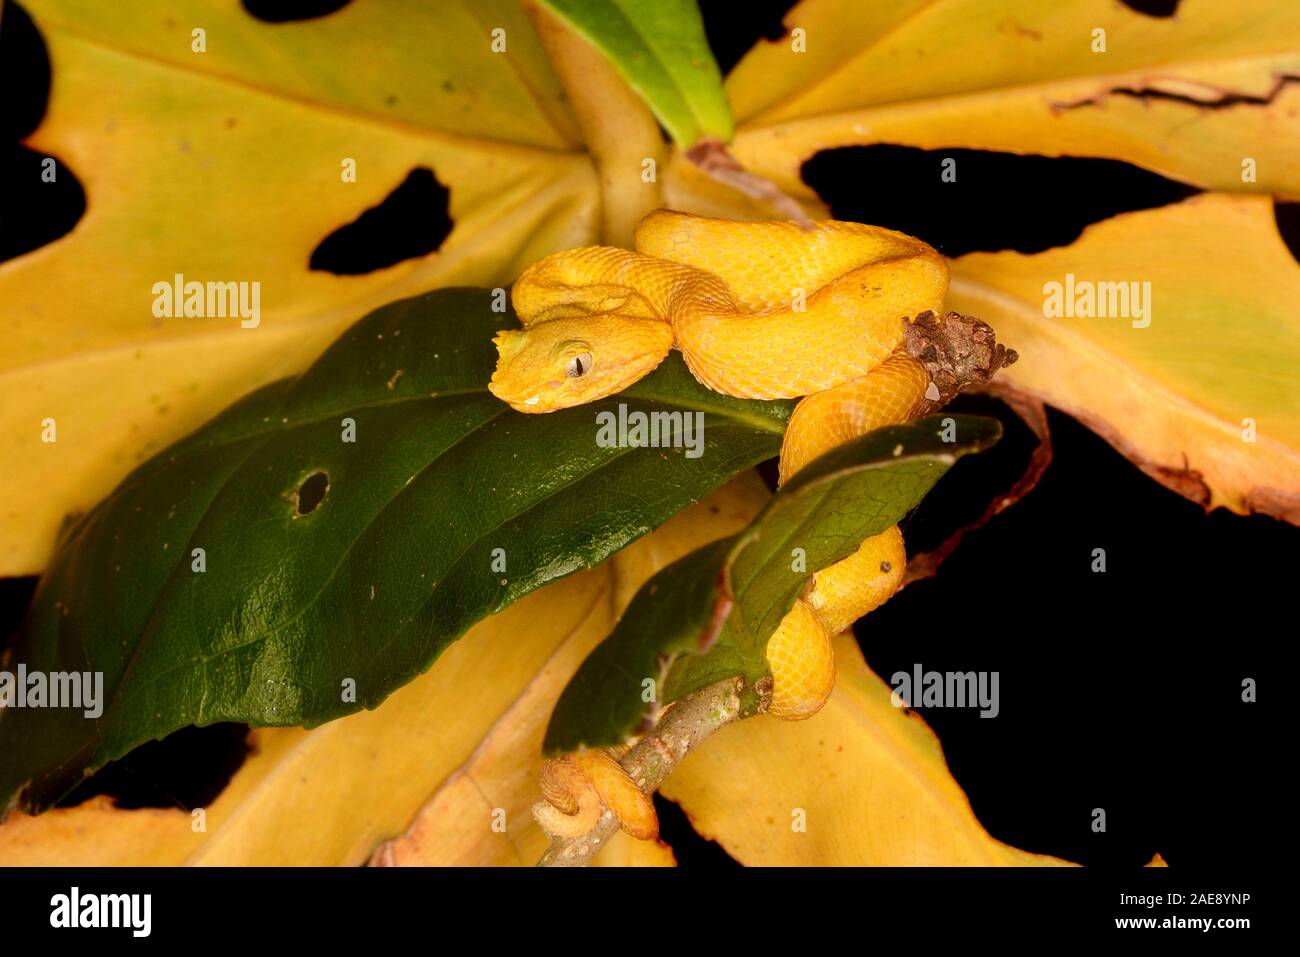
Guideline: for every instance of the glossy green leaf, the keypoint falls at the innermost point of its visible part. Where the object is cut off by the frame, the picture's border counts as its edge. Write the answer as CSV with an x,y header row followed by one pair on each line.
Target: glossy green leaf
x,y
660,50
709,615
352,522
676,612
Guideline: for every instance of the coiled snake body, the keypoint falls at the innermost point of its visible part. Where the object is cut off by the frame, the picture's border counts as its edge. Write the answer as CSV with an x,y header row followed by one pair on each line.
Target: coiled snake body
x,y
759,311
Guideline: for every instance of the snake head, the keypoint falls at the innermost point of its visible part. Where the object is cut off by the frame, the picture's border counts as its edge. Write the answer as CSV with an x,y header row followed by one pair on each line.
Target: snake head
x,y
566,362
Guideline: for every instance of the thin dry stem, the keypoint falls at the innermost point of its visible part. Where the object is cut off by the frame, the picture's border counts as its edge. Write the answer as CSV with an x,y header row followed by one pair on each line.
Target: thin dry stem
x,y
683,726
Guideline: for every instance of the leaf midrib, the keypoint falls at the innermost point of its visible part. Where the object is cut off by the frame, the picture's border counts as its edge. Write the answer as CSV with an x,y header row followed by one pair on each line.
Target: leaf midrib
x,y
763,423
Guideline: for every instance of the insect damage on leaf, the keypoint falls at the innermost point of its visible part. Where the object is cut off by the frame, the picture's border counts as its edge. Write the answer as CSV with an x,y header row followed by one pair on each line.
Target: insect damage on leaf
x,y
311,493
292,11
411,222
955,199
38,216
1213,97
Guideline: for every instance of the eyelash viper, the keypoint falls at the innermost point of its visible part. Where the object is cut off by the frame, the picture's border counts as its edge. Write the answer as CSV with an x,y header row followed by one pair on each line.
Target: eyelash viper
x,y
759,311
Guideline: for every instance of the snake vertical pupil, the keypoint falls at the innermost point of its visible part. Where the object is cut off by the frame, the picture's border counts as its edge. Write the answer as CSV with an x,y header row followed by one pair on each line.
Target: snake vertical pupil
x,y
578,366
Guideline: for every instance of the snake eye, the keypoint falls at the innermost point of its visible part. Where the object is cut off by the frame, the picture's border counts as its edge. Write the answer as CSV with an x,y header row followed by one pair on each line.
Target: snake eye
x,y
578,366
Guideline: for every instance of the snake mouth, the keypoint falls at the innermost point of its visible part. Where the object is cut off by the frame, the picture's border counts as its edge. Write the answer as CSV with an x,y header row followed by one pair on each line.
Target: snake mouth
x,y
562,393
519,401
510,344
534,398
531,405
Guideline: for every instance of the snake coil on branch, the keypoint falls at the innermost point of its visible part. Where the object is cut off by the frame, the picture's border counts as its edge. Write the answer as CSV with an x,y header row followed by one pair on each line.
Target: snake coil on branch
x,y
842,315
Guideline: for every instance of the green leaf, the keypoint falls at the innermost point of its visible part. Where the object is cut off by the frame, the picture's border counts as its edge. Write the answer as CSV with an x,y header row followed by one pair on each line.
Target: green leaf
x,y
395,561
660,50
738,589
679,610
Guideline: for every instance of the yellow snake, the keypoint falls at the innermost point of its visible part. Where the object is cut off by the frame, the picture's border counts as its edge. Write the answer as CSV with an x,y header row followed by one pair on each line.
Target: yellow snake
x,y
759,311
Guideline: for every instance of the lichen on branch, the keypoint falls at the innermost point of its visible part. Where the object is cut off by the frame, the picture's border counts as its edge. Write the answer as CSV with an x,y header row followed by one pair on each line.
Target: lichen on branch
x,y
958,351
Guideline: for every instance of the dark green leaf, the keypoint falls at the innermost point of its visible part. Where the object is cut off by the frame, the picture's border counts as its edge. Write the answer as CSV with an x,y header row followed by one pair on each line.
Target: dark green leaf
x,y
326,560
661,50
680,609
853,492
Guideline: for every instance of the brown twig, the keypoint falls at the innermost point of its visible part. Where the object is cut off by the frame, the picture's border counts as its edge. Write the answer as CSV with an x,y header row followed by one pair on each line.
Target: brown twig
x,y
1032,412
683,726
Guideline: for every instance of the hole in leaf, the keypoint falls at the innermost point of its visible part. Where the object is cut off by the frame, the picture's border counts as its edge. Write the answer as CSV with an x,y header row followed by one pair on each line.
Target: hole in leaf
x,y
24,73
188,768
1287,216
33,210
731,35
689,848
15,596
996,200
311,493
287,11
412,222
1152,8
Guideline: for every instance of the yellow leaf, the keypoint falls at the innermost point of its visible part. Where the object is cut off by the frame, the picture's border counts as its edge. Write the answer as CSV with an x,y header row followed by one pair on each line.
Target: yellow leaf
x,y
96,833
867,779
226,166
1188,96
1180,395
1193,97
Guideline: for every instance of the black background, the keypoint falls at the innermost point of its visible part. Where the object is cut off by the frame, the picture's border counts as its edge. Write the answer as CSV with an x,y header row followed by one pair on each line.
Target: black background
x,y
1119,691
